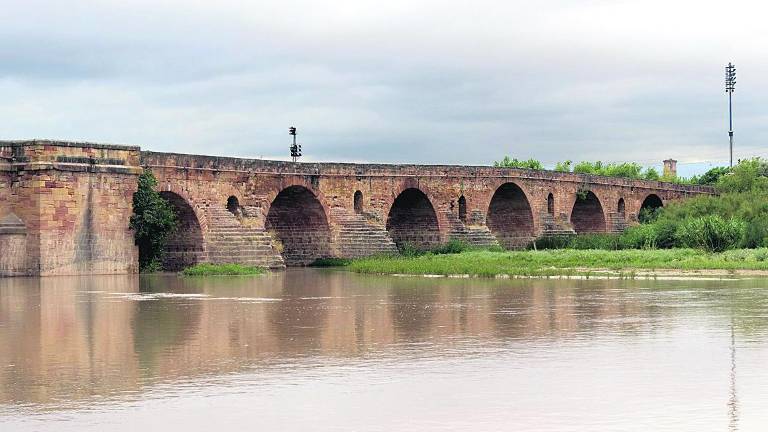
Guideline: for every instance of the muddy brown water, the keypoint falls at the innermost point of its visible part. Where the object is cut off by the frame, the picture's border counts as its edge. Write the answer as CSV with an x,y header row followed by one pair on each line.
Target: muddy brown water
x,y
326,350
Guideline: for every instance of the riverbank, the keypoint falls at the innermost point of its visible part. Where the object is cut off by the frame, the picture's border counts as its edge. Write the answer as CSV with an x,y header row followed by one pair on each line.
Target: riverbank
x,y
573,263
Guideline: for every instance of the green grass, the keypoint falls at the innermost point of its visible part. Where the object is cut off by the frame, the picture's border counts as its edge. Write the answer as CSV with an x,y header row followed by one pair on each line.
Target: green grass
x,y
330,262
562,262
222,270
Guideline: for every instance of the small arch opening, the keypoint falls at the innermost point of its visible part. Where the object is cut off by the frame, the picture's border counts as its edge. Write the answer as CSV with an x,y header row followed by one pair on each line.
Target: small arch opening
x,y
551,204
622,207
358,202
463,209
233,205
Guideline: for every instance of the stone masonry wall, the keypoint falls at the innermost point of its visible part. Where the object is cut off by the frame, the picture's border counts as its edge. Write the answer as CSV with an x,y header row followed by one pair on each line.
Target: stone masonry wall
x,y
209,181
74,201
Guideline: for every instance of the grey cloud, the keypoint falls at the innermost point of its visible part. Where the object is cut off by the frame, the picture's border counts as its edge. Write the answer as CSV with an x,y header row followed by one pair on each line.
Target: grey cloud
x,y
391,82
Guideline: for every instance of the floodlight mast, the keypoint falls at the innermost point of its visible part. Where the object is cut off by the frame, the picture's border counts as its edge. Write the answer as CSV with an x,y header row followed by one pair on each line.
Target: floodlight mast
x,y
730,86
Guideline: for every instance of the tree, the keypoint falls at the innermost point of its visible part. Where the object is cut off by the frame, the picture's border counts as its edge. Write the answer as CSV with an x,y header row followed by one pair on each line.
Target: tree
x,y
712,176
748,175
153,221
515,163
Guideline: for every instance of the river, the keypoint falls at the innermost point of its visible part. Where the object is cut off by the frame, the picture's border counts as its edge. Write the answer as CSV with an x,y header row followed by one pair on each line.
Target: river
x,y
327,350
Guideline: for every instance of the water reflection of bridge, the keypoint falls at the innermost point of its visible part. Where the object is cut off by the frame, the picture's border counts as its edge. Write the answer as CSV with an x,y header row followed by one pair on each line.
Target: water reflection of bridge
x,y
85,336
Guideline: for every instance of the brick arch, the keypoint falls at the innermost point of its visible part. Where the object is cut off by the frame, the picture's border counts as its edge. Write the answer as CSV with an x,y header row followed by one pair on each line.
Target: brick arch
x,y
432,195
269,197
650,202
224,192
190,199
186,247
300,221
412,218
588,214
510,215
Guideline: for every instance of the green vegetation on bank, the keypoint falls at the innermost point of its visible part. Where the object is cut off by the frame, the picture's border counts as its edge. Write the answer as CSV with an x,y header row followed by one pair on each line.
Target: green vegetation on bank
x,y
153,221
629,170
222,270
330,262
561,262
736,218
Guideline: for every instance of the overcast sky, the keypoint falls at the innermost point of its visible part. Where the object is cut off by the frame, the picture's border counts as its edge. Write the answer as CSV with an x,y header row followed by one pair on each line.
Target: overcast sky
x,y
389,81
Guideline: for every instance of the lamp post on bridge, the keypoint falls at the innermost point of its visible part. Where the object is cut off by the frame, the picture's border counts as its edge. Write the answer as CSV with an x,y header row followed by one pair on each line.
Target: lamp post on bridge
x,y
295,148
730,86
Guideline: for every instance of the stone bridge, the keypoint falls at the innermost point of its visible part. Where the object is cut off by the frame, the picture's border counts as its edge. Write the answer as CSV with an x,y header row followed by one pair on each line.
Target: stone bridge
x,y
65,207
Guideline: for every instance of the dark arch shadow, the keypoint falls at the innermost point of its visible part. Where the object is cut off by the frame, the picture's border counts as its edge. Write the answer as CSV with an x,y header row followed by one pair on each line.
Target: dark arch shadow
x,y
622,208
412,219
649,208
185,246
463,209
299,221
510,217
587,214
233,205
358,202
551,204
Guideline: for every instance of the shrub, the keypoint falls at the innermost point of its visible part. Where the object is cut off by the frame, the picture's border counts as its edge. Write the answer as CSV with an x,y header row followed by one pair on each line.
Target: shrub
x,y
712,233
756,234
330,262
652,174
515,163
648,214
453,246
639,237
665,232
563,166
595,241
207,269
712,176
153,221
748,175
408,249
552,242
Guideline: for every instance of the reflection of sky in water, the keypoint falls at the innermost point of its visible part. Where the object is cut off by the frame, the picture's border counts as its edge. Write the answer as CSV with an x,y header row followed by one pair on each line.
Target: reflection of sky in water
x,y
317,349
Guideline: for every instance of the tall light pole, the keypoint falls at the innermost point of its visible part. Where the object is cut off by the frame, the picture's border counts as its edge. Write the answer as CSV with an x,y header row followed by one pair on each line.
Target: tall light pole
x,y
730,85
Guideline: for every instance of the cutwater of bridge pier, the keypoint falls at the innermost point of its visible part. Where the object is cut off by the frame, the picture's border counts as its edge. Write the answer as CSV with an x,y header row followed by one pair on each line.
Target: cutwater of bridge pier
x,y
65,207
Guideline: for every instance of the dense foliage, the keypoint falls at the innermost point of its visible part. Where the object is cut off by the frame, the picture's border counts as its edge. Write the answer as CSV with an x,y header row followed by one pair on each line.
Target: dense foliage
x,y
153,221
629,170
515,163
736,218
712,176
